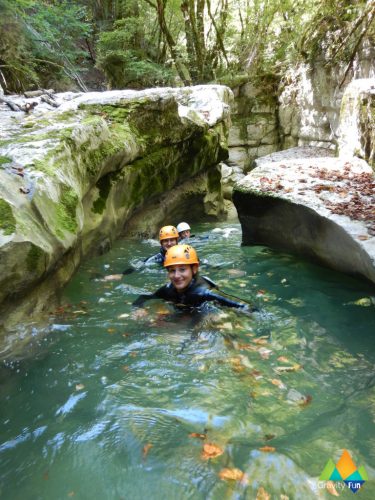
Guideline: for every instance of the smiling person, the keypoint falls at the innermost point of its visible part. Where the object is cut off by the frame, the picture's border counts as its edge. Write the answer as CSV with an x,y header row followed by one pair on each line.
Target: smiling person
x,y
186,287
168,237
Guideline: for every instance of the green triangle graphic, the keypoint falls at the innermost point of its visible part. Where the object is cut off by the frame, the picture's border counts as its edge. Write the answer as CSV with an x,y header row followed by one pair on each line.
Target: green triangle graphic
x,y
328,470
363,473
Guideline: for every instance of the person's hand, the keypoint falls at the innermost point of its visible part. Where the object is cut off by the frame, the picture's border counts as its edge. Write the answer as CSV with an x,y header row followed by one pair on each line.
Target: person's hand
x,y
139,313
113,277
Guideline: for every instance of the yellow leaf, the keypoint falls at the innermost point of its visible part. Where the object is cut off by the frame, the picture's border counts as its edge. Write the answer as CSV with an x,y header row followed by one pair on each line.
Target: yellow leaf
x,y
284,369
211,450
231,474
111,330
147,447
267,449
283,359
260,341
278,383
262,494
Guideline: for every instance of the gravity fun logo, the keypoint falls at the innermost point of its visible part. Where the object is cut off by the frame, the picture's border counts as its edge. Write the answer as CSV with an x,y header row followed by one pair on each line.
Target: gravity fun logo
x,y
345,470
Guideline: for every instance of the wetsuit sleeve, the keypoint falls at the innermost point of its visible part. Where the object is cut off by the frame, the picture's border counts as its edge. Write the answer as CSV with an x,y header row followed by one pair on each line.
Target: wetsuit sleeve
x,y
212,296
159,294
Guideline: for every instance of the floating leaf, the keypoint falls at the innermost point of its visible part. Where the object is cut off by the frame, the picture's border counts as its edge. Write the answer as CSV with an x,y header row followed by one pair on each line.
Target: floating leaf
x,y
231,474
262,494
124,315
285,369
306,400
211,450
79,387
197,435
278,383
267,449
260,340
283,359
111,330
265,353
147,447
268,437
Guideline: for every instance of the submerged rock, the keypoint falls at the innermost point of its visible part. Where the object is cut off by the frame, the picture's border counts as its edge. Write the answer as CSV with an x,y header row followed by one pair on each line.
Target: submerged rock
x,y
303,201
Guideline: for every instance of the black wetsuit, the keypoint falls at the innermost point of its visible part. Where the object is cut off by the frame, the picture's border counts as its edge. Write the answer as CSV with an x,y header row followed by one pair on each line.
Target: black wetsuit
x,y
198,292
154,259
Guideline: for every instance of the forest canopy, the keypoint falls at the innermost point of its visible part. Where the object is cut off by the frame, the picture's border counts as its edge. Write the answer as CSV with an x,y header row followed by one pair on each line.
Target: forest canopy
x,y
85,44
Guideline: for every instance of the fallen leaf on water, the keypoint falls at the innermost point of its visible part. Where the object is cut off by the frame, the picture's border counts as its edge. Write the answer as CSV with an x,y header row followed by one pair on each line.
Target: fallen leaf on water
x,y
278,383
330,487
231,474
197,435
363,237
268,437
285,369
306,400
111,330
267,449
283,359
265,353
71,493
125,368
262,494
124,315
211,450
80,311
79,387
147,447
133,354
260,341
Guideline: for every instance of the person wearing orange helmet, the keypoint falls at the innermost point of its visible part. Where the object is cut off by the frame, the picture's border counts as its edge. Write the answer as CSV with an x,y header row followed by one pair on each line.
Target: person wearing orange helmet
x,y
168,237
186,287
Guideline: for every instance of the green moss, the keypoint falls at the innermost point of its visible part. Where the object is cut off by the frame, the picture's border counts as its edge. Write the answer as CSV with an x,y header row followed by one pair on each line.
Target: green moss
x,y
33,257
104,187
66,210
5,159
7,220
65,116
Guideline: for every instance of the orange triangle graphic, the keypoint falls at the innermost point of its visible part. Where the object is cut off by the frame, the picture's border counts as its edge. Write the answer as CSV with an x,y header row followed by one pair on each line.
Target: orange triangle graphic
x,y
345,465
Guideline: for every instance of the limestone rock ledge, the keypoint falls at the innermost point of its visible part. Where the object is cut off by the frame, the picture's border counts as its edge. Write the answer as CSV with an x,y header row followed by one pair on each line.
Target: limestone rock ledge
x,y
72,176
303,201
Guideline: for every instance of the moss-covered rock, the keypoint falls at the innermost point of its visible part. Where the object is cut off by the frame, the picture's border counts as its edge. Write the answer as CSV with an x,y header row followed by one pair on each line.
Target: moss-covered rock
x,y
88,165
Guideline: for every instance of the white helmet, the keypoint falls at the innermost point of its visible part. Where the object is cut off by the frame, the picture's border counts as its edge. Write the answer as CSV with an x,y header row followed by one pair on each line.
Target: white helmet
x,y
183,226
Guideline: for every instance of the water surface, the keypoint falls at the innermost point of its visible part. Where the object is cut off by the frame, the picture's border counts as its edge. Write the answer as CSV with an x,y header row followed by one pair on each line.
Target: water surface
x,y
108,407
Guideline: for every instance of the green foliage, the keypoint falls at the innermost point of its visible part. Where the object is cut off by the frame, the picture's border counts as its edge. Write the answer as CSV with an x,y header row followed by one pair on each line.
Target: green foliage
x,y
39,42
127,57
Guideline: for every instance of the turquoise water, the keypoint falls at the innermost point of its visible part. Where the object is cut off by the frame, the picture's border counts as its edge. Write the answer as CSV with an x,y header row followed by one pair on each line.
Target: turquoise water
x,y
107,406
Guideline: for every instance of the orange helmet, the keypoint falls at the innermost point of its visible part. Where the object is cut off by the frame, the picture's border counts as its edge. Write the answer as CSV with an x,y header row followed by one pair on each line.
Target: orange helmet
x,y
168,232
180,254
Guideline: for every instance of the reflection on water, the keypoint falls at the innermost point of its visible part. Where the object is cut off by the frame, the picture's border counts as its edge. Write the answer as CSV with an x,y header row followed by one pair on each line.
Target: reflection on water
x,y
111,407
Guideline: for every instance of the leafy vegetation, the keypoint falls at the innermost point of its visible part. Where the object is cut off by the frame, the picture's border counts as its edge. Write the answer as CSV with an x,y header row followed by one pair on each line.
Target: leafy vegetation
x,y
143,43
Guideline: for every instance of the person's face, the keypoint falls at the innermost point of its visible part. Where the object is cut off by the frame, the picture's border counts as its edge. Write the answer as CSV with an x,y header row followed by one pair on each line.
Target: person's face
x,y
168,243
185,234
181,275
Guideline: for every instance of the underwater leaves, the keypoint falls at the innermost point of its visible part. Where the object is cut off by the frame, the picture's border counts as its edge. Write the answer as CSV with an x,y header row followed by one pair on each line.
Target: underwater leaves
x,y
79,387
262,494
267,449
231,474
147,447
278,383
211,450
286,369
197,435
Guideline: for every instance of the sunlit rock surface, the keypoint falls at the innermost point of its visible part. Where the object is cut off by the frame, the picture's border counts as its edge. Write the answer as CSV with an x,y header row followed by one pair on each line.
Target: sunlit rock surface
x,y
72,176
306,202
357,121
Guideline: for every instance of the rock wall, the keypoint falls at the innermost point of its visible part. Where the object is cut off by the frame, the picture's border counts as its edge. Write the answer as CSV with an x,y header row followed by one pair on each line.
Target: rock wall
x,y
303,110
72,177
